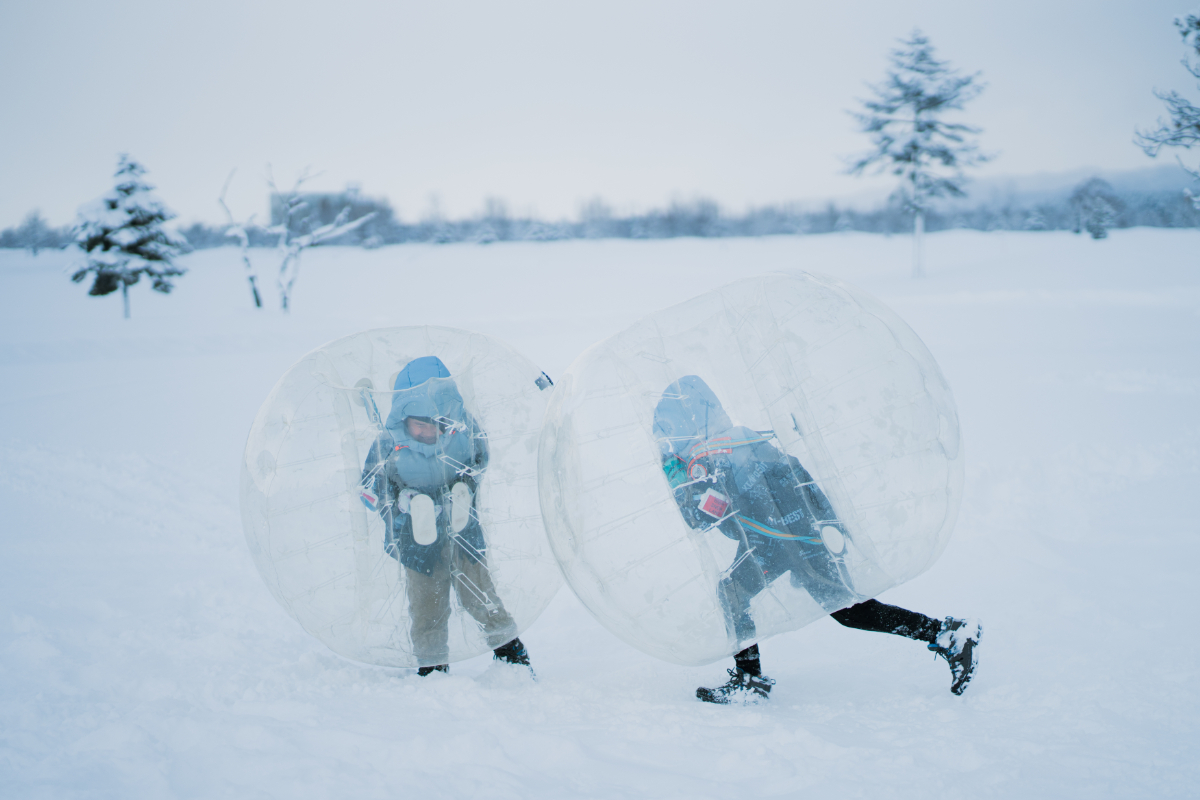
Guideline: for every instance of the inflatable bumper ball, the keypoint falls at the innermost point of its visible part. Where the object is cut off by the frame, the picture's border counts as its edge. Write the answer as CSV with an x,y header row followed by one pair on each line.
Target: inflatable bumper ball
x,y
747,462
389,495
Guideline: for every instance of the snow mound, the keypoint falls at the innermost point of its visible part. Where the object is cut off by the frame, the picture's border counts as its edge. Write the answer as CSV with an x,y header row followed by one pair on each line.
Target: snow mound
x,y
315,519
803,381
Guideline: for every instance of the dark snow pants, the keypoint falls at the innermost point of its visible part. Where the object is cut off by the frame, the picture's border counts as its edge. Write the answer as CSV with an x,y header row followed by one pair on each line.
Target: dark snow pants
x,y
873,615
812,569
870,615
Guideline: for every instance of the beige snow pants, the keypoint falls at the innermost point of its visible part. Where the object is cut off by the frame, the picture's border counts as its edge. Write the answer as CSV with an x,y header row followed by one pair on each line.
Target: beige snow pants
x,y
429,605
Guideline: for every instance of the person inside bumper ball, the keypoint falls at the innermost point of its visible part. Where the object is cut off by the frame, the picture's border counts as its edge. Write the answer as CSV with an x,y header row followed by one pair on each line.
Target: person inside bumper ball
x,y
734,479
421,476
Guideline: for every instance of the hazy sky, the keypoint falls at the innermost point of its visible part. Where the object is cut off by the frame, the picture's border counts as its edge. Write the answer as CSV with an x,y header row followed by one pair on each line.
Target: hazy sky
x,y
544,104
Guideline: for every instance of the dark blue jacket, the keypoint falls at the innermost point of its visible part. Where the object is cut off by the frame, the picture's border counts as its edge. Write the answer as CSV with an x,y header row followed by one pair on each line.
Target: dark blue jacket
x,y
773,500
397,462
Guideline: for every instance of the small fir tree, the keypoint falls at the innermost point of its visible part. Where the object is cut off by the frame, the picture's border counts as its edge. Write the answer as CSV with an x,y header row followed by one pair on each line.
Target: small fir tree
x,y
123,237
1095,206
35,233
910,138
1183,128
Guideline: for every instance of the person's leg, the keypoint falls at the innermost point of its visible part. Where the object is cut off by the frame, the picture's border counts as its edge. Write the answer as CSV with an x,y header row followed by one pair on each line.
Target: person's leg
x,y
429,613
953,639
748,660
741,583
735,604
746,682
873,615
746,685
818,572
477,594
791,559
749,585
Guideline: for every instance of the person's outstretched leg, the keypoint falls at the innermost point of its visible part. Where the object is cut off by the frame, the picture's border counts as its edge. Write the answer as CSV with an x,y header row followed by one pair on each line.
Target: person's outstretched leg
x,y
873,615
953,639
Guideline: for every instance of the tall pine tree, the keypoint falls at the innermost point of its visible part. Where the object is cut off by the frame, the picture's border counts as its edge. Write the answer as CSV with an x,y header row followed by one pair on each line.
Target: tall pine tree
x,y
123,237
909,137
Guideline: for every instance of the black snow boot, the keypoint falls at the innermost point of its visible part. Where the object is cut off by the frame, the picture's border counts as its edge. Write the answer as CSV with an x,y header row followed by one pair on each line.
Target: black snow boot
x,y
956,642
423,671
741,688
513,653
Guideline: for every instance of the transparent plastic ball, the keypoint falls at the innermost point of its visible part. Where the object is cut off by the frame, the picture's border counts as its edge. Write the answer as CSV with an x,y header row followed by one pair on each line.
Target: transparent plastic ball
x,y
747,462
389,495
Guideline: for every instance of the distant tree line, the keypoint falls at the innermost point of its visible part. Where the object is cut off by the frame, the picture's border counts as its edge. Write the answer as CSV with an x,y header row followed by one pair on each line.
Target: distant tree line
x,y
1093,202
35,234
1094,206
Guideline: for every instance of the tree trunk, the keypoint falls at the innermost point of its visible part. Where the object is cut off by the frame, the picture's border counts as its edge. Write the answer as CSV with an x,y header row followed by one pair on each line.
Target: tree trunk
x,y
125,297
250,277
918,242
254,290
287,275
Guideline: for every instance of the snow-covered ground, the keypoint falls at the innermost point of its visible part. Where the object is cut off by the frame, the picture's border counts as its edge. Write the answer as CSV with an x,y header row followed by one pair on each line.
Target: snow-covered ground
x,y
142,656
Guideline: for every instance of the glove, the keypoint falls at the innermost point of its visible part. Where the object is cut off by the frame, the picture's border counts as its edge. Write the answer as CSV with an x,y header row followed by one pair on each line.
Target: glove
x,y
404,502
460,506
676,471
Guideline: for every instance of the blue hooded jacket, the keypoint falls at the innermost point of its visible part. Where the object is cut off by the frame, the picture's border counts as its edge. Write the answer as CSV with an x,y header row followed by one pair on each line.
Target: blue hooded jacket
x,y
397,462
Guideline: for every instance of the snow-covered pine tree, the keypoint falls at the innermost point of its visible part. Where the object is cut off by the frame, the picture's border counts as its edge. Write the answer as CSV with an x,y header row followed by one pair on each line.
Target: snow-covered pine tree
x,y
123,237
1183,128
910,138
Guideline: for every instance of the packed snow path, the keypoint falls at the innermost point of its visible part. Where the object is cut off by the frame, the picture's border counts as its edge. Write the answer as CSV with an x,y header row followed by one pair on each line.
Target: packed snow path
x,y
141,655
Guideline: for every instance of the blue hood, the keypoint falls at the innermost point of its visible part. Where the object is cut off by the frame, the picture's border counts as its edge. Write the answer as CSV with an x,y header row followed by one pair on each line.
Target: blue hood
x,y
688,412
423,388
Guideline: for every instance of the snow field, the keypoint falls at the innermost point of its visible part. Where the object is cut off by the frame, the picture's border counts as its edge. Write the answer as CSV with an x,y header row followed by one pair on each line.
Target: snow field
x,y
142,656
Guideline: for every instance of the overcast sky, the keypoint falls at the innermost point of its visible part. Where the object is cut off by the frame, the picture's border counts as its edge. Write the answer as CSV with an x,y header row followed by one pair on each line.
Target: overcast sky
x,y
543,104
